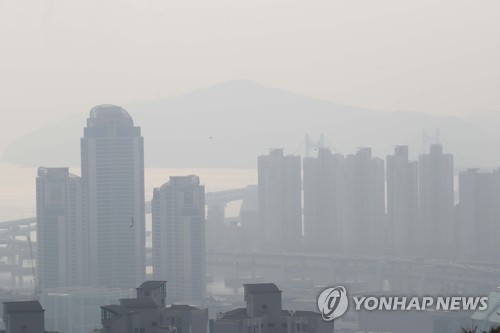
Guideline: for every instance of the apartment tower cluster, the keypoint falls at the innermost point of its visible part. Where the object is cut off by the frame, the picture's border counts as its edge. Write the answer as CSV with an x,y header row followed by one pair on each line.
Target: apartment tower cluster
x,y
91,229
355,205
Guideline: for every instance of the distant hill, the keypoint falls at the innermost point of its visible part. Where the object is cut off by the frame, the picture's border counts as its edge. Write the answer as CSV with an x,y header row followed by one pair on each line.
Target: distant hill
x,y
230,124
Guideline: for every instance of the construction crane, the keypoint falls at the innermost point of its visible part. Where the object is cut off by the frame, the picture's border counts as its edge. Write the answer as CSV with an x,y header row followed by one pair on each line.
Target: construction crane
x,y
36,290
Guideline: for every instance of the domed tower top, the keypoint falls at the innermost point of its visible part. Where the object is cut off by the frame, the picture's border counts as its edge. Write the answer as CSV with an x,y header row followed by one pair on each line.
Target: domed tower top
x,y
108,115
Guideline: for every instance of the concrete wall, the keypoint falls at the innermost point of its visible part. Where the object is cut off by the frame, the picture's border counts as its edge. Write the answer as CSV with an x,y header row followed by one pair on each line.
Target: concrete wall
x,y
25,322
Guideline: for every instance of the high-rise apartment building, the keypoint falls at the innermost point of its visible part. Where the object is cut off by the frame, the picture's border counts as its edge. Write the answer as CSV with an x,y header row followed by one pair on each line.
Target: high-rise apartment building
x,y
179,238
112,151
476,226
402,202
365,228
436,198
61,229
280,203
323,201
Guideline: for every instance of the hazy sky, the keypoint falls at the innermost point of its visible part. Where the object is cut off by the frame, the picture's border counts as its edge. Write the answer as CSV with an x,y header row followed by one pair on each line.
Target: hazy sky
x,y
60,57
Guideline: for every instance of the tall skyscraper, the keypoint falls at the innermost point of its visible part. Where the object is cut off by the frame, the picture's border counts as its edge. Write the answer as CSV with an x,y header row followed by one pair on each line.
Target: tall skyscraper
x,y
436,197
61,229
113,175
402,202
179,238
323,201
477,228
365,221
280,203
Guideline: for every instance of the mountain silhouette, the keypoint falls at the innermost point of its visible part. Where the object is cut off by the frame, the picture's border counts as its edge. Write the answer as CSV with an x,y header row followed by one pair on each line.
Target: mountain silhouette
x,y
231,123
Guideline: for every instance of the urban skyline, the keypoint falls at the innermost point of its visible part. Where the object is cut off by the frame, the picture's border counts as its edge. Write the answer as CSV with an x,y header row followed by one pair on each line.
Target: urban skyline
x,y
420,204
346,205
264,166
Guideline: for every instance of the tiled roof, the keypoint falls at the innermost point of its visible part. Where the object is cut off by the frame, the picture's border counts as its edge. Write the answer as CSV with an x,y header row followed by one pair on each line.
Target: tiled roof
x,y
240,313
260,288
25,306
152,285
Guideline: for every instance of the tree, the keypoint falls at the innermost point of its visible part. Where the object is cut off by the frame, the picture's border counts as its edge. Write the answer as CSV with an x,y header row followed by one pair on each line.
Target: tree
x,y
475,330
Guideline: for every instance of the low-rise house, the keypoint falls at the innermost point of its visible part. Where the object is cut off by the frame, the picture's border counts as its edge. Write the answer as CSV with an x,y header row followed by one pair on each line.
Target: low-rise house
x,y
264,314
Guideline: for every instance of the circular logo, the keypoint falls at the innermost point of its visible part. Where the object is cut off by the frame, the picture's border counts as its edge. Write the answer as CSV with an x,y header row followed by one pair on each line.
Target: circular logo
x,y
332,303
